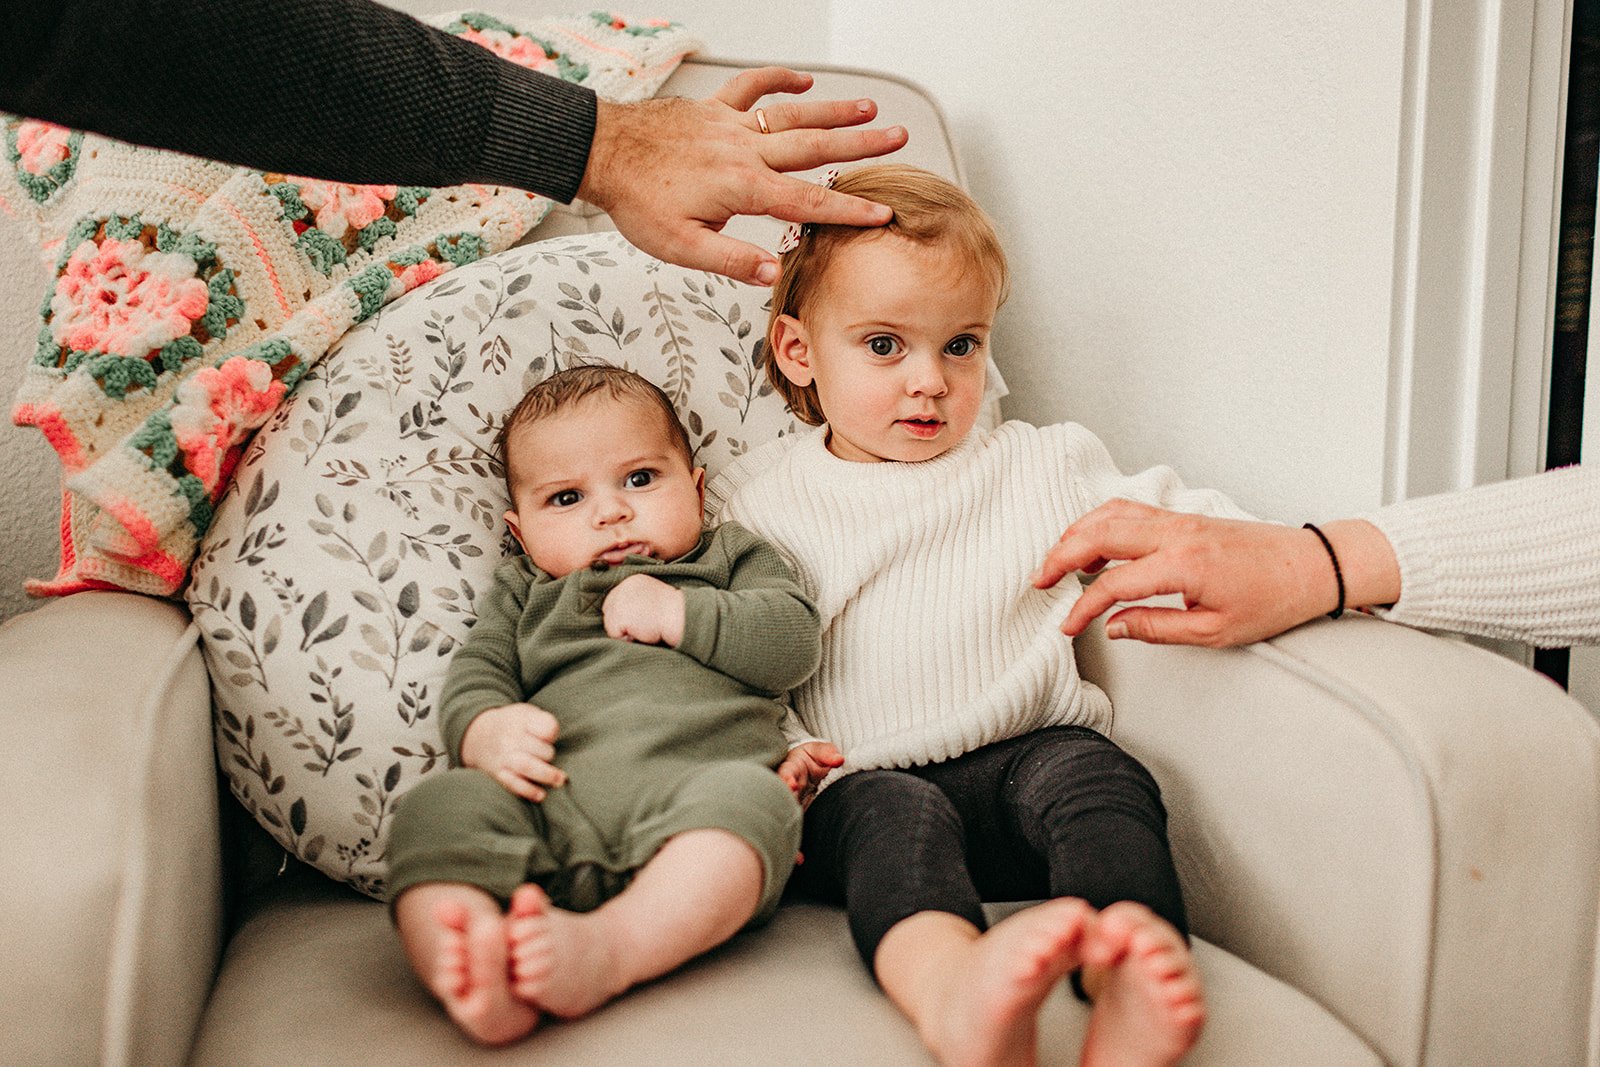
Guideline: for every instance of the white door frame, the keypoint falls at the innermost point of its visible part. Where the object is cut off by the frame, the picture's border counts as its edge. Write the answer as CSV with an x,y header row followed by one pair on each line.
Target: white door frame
x,y
1476,242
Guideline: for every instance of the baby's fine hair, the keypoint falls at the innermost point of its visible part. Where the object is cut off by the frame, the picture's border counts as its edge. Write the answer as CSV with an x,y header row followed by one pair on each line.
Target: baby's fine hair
x,y
565,388
927,209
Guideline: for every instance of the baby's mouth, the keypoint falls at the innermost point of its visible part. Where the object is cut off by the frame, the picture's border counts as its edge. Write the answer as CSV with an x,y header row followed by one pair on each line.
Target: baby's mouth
x,y
617,553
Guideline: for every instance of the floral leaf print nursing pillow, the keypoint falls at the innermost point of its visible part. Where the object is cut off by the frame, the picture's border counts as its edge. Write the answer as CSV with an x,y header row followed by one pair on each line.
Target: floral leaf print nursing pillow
x,y
343,567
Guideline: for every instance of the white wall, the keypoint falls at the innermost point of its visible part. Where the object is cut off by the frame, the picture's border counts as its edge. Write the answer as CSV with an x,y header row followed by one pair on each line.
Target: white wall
x,y
1200,205
29,473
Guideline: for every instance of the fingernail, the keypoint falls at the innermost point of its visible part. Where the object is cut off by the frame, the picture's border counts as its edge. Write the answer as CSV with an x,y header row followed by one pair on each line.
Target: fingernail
x,y
1115,630
1033,579
767,273
863,106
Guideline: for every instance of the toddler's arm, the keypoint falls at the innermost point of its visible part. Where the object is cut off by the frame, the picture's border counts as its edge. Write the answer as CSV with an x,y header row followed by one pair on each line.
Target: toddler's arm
x,y
806,766
1091,478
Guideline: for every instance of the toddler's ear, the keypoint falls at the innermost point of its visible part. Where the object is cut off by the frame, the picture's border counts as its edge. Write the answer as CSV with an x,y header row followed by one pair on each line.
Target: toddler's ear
x,y
791,350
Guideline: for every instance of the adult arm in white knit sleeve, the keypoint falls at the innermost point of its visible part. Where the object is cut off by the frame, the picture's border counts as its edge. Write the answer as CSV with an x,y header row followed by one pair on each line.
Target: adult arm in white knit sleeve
x,y
1517,560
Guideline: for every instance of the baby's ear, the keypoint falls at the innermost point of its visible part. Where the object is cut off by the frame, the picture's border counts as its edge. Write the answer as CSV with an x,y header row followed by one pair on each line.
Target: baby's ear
x,y
791,350
516,530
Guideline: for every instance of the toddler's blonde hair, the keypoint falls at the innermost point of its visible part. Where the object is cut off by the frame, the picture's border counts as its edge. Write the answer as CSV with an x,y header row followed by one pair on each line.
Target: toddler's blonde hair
x,y
927,209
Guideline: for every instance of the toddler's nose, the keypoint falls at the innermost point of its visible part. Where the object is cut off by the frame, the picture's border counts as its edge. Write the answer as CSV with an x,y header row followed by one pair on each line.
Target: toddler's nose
x,y
926,379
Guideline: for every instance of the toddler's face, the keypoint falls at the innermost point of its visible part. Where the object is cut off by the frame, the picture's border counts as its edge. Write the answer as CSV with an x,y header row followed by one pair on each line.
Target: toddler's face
x,y
601,481
897,341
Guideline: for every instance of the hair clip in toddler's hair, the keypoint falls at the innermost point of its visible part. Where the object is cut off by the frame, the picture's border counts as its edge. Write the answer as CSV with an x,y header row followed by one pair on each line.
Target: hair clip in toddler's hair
x,y
791,237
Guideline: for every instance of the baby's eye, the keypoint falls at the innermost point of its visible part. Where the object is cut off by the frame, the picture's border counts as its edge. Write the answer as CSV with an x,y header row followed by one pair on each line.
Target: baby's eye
x,y
639,479
882,345
962,346
566,498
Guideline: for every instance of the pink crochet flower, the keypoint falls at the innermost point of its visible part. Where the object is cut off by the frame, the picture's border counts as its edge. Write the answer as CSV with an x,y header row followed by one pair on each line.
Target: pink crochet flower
x,y
523,51
420,274
42,145
341,207
216,408
120,297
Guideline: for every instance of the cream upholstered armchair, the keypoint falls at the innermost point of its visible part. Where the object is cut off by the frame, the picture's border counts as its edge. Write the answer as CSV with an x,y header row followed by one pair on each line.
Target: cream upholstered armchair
x,y
1388,845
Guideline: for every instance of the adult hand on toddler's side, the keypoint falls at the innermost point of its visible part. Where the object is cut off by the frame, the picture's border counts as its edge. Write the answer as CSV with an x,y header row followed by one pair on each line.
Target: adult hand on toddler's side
x,y
806,765
515,743
644,609
672,172
1241,581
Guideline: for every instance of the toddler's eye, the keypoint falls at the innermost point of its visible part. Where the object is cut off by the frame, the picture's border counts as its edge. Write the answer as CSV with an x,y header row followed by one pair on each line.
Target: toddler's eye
x,y
962,346
881,345
566,498
639,479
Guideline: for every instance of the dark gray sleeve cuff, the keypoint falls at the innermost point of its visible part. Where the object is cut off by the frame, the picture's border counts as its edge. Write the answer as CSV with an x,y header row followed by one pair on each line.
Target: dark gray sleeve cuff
x,y
539,135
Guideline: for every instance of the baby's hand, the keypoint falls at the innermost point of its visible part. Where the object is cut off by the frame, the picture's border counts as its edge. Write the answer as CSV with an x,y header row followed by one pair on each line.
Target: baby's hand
x,y
644,609
805,766
515,743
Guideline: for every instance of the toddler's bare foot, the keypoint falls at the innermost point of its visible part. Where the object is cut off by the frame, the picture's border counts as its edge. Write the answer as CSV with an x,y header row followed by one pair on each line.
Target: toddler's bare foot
x,y
562,962
1148,1010
990,1006
455,937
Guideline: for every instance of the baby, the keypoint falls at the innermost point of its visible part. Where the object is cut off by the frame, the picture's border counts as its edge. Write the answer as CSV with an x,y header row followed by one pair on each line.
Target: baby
x,y
957,755
614,718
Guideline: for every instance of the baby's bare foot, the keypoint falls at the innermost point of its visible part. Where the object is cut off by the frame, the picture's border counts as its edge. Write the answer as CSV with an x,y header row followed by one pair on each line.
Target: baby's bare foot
x,y
1148,1010
455,938
562,962
990,1007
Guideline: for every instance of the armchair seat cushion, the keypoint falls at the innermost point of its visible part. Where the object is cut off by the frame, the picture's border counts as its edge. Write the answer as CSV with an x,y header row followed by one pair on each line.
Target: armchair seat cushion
x,y
320,968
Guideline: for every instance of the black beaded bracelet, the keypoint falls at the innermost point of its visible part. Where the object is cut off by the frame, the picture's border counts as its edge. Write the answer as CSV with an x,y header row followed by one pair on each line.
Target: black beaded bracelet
x,y
1338,575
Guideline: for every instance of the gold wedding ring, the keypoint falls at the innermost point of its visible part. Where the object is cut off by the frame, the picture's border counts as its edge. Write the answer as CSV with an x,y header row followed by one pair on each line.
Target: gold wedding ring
x,y
761,120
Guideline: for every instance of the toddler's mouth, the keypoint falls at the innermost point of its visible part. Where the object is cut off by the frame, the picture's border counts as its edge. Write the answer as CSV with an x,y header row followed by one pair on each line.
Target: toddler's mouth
x,y
922,427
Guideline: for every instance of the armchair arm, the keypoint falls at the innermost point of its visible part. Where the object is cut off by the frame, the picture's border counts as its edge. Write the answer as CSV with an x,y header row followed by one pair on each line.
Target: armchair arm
x,y
1401,826
111,896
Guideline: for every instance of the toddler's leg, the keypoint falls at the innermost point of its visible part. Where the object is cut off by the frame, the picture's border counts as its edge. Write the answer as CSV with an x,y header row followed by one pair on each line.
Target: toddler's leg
x,y
894,844
1096,815
455,937
1139,973
697,891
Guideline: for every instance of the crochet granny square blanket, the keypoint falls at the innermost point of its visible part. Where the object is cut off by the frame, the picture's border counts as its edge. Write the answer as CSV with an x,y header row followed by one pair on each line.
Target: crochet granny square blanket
x,y
190,296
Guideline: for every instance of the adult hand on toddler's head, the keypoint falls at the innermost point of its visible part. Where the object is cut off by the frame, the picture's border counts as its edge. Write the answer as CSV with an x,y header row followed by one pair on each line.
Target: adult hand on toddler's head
x,y
515,743
1241,581
806,765
644,609
672,172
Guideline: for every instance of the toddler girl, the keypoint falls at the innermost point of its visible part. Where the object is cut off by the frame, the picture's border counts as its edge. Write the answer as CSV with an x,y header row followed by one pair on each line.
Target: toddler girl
x,y
958,755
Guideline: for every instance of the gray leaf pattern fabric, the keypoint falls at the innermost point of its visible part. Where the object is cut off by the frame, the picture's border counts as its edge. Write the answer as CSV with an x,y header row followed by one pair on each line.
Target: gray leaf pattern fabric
x,y
343,566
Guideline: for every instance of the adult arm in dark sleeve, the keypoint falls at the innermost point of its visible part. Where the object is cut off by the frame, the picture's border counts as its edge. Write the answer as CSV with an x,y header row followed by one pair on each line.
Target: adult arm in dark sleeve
x,y
346,90
351,91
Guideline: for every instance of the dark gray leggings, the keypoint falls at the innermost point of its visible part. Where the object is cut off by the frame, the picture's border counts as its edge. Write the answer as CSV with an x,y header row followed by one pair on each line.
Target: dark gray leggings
x,y
1060,812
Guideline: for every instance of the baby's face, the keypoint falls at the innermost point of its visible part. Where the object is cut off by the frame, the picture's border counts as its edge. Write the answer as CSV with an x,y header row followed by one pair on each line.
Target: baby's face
x,y
601,481
897,342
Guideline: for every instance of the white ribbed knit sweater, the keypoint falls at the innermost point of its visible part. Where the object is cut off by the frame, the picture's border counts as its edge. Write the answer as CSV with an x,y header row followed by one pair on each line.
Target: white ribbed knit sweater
x,y
934,641
1518,560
